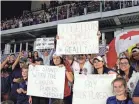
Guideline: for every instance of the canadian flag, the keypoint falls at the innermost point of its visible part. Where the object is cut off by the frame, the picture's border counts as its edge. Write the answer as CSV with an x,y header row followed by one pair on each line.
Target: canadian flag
x,y
120,44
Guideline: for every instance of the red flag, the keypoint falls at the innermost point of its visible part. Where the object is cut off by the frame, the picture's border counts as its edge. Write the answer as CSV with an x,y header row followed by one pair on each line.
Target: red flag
x,y
111,54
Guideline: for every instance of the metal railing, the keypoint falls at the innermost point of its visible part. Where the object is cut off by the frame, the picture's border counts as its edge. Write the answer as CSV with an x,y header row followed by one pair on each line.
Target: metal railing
x,y
72,10
78,9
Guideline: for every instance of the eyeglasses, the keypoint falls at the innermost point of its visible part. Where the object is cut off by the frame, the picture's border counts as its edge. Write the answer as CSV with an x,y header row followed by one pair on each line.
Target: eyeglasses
x,y
125,63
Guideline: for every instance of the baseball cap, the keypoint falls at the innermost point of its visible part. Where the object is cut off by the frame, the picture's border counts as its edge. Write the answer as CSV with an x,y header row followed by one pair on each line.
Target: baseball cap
x,y
98,58
56,54
22,60
135,49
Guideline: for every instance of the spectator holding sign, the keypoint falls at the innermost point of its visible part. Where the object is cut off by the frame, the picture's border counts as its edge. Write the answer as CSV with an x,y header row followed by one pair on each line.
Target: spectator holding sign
x,y
119,88
81,65
57,60
46,56
47,47
34,99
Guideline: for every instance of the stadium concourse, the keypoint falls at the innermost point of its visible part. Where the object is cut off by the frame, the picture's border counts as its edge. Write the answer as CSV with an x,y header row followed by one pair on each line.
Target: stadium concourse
x,y
70,52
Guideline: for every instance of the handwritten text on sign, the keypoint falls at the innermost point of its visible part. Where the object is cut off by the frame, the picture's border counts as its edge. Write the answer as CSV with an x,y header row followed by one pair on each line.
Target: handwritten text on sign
x,y
44,43
92,89
46,81
78,38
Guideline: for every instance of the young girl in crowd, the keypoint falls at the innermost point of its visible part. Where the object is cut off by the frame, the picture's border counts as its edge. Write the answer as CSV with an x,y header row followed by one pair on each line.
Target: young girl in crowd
x,y
5,82
35,56
126,70
30,57
22,98
100,68
119,88
9,60
57,60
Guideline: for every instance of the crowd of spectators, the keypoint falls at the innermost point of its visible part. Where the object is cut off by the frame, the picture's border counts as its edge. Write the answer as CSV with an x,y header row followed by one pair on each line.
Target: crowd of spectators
x,y
113,5
58,10
14,80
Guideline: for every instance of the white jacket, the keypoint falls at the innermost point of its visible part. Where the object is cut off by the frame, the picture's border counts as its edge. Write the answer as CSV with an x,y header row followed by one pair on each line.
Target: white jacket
x,y
76,67
131,84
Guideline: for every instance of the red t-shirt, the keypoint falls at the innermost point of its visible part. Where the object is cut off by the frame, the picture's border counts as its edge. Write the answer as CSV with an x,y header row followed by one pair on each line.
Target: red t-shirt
x,y
67,91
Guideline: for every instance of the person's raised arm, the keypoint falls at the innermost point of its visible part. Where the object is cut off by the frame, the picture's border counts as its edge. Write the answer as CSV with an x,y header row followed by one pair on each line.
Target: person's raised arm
x,y
40,54
51,54
17,60
94,55
4,62
99,34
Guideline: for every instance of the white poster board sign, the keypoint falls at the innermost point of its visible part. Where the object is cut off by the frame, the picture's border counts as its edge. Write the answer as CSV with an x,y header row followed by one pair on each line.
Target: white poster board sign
x,y
92,89
46,81
44,43
78,38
